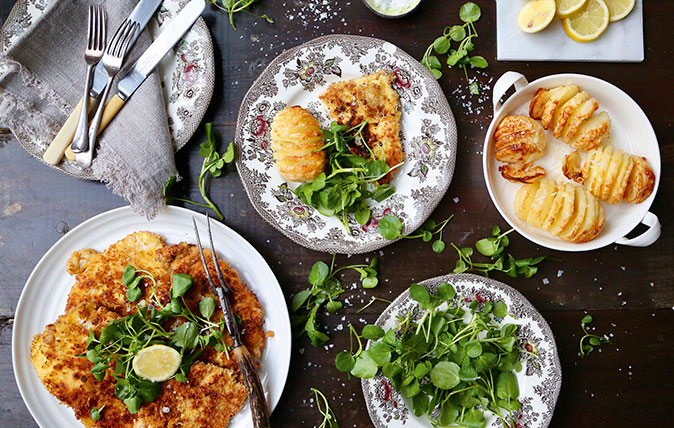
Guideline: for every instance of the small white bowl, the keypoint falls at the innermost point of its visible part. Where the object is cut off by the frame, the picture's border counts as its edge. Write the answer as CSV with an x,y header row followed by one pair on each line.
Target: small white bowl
x,y
631,131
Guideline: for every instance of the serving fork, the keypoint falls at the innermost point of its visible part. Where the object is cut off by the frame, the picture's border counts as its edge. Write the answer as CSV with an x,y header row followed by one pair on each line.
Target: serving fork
x,y
258,404
96,29
112,61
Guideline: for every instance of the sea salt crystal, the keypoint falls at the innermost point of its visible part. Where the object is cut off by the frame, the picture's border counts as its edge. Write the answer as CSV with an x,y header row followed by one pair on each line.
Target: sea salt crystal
x,y
560,273
546,281
456,200
165,409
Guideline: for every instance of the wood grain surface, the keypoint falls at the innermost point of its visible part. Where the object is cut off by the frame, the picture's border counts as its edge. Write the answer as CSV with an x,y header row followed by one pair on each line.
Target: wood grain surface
x,y
629,291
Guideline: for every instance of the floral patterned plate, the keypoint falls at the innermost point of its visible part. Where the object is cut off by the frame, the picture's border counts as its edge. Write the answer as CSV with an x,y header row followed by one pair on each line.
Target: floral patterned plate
x,y
539,381
187,74
298,77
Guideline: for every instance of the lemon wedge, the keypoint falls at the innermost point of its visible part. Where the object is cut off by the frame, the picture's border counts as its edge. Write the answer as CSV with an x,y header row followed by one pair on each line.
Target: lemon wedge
x,y
536,15
156,363
568,7
588,23
618,9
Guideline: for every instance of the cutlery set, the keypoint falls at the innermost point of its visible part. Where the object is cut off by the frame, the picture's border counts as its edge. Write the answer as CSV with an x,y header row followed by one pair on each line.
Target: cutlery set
x,y
77,137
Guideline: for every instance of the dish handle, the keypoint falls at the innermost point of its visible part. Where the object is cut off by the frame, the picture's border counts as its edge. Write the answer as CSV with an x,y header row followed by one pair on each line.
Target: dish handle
x,y
646,238
507,80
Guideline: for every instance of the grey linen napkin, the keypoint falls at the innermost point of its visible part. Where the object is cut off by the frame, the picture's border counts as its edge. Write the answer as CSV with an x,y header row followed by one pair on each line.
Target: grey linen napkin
x,y
42,79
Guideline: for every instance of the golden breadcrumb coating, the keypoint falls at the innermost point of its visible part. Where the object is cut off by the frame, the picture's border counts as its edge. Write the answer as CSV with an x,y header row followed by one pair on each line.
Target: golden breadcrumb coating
x,y
215,391
369,98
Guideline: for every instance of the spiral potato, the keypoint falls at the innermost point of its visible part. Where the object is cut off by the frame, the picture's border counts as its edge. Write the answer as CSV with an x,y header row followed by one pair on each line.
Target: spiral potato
x,y
612,175
296,137
563,210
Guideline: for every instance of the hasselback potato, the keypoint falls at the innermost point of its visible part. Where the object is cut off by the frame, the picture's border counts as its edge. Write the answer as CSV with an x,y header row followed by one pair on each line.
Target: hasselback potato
x,y
612,175
296,139
568,111
562,209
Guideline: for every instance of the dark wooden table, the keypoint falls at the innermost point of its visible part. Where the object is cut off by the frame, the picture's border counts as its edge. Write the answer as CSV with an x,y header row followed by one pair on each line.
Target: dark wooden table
x,y
630,291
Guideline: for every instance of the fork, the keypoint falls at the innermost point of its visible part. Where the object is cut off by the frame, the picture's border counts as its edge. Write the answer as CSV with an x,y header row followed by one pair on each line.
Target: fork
x,y
112,61
251,380
92,55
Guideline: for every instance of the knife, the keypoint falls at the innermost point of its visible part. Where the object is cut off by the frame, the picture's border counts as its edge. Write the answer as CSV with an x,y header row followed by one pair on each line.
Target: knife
x,y
54,153
147,62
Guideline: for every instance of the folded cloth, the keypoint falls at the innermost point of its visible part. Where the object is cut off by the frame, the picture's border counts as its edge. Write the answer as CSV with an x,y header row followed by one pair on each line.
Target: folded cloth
x,y
42,80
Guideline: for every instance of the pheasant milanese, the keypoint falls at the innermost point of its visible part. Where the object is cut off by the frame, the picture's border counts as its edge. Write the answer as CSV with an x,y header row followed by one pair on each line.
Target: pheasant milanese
x,y
214,391
370,99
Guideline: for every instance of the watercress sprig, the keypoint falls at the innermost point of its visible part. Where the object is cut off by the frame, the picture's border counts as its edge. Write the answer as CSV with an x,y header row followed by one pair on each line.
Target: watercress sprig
x,y
592,339
325,290
391,227
463,35
350,180
323,406
120,340
494,247
232,7
452,364
212,164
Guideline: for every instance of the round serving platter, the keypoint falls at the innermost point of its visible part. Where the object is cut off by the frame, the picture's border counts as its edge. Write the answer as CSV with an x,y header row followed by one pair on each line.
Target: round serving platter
x,y
539,381
44,298
630,131
297,77
187,75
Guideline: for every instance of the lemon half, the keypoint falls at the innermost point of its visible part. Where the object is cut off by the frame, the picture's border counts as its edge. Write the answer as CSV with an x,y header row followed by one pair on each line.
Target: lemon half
x,y
568,7
588,23
536,15
157,363
618,9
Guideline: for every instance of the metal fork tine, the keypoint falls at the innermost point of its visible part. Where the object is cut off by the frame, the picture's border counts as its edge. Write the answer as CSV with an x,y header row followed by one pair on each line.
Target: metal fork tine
x,y
90,26
99,29
103,29
221,277
203,259
126,39
114,44
111,46
129,37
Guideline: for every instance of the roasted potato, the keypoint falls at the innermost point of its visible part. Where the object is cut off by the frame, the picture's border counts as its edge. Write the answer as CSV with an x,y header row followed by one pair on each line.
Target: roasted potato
x,y
296,137
519,140
568,111
566,211
612,175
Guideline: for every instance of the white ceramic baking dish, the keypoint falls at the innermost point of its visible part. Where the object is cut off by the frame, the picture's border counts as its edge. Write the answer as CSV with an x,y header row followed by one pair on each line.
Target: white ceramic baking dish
x,y
631,131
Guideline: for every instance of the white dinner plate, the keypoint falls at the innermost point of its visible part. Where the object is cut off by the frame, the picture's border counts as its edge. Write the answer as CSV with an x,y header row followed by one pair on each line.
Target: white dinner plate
x,y
297,77
539,381
630,131
44,298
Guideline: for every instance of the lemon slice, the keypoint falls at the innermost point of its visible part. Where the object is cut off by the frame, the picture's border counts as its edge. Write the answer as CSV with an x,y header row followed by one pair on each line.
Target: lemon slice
x,y
566,8
536,15
588,23
157,363
618,9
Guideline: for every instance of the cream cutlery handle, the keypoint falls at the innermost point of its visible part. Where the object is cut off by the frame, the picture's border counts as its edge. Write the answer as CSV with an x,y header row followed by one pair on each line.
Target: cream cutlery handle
x,y
111,109
54,152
